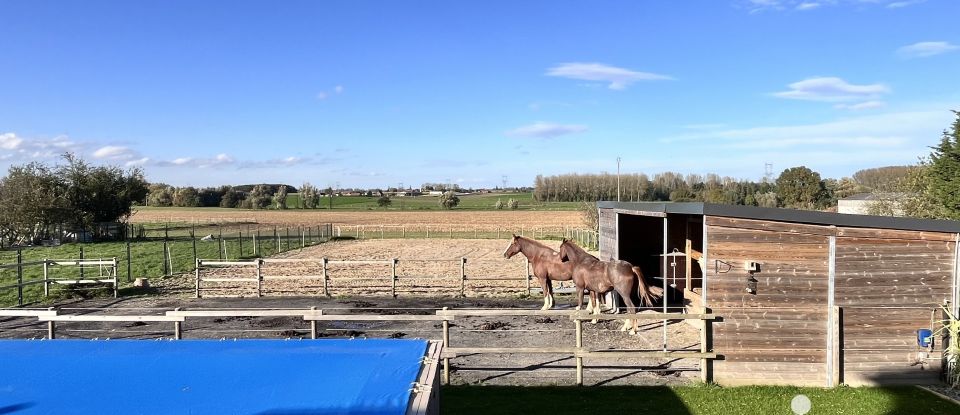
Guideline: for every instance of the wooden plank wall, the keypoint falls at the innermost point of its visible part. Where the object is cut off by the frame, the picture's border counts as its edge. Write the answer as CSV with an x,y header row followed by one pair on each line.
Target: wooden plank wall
x,y
608,234
888,283
779,334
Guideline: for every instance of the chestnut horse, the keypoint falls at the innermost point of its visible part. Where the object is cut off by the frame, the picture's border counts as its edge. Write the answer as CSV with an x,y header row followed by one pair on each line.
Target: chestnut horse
x,y
601,277
545,262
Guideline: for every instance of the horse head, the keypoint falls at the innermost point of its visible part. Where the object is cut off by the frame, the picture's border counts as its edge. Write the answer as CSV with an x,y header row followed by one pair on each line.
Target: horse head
x,y
565,250
513,248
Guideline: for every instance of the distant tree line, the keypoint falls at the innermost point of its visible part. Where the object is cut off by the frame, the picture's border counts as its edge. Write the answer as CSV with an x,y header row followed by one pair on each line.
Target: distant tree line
x,y
259,196
74,196
796,187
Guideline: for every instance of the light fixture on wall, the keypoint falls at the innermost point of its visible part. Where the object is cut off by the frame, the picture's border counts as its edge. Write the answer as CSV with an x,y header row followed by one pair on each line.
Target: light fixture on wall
x,y
751,267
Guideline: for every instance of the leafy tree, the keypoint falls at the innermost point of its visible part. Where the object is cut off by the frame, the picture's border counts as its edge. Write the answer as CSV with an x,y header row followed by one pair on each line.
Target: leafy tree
x,y
801,188
449,200
513,204
258,197
100,194
944,170
498,205
31,200
384,201
880,178
160,195
231,198
309,196
766,199
280,198
186,197
682,195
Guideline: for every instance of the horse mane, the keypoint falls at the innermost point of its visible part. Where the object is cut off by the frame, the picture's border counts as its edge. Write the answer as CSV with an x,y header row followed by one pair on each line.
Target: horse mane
x,y
535,243
580,251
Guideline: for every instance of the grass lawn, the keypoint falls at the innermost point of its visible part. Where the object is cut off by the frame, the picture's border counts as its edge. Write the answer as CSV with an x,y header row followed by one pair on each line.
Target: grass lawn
x,y
766,400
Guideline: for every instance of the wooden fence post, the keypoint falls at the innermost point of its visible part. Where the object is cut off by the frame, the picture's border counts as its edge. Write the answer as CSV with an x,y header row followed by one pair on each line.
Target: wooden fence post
x,y
326,288
197,270
259,278
706,374
446,345
256,244
177,328
313,325
526,273
393,279
578,324
240,240
463,276
288,238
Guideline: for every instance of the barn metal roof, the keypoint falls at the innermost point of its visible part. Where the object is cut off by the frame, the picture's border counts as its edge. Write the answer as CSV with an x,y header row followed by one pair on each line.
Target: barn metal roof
x,y
788,215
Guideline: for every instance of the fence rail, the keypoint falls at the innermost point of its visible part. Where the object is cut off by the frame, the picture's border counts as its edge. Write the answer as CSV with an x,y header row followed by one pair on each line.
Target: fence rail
x,y
106,274
252,271
181,317
585,237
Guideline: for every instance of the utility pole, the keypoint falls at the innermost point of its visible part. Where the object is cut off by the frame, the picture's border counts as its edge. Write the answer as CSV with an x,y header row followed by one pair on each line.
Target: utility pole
x,y
618,179
504,179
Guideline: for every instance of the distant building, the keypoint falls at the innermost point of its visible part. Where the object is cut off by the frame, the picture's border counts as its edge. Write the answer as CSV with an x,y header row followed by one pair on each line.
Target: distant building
x,y
861,203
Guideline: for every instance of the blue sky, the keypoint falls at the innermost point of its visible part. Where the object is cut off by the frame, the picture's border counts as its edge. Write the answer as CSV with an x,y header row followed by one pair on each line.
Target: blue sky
x,y
377,93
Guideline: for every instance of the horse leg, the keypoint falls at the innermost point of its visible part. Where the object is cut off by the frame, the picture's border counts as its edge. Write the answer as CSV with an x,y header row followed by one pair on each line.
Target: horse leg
x,y
544,286
596,302
550,296
630,309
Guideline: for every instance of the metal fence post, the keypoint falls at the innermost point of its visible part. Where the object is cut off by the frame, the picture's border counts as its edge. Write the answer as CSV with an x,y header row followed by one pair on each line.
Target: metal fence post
x,y
240,240
20,277
197,270
129,264
259,278
81,258
46,282
446,344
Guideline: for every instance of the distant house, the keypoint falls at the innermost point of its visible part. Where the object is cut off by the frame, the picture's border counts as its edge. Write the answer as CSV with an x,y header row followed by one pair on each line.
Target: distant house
x,y
861,203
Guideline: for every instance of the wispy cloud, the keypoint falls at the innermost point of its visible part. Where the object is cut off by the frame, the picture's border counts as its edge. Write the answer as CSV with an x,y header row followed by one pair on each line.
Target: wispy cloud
x,y
756,6
861,105
808,6
617,78
337,90
868,132
546,130
832,89
14,146
10,141
926,49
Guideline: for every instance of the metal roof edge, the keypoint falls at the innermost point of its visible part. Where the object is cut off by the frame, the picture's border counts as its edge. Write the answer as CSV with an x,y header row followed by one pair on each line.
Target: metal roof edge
x,y
789,215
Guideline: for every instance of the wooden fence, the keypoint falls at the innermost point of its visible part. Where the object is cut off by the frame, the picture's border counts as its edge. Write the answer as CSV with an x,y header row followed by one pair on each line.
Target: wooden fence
x,y
251,271
584,237
106,274
313,315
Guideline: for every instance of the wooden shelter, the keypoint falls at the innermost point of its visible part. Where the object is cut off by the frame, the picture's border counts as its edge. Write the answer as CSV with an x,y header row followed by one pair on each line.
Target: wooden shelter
x,y
802,297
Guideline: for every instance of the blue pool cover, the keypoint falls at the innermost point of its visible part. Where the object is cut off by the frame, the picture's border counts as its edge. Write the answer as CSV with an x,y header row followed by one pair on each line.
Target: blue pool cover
x,y
280,377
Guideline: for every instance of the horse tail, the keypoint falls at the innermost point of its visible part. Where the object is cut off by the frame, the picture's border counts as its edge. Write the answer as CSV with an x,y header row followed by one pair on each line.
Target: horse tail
x,y
648,293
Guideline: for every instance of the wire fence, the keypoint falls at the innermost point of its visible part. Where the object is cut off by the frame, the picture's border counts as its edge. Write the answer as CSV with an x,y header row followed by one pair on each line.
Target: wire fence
x,y
584,237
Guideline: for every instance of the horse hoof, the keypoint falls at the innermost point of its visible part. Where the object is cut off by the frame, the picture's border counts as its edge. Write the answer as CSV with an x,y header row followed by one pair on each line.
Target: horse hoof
x,y
593,321
633,332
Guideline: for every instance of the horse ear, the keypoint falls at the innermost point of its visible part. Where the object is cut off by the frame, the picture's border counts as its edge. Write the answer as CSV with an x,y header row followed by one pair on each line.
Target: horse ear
x,y
514,236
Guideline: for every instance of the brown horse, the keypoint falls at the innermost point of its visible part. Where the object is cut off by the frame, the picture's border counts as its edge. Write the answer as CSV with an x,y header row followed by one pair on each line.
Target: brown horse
x,y
545,262
601,277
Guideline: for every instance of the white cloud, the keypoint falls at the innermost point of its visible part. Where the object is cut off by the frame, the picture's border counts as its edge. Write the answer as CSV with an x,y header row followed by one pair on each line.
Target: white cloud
x,y
900,4
338,89
756,6
866,105
10,141
114,153
618,78
890,131
137,162
926,49
546,130
832,89
181,161
322,95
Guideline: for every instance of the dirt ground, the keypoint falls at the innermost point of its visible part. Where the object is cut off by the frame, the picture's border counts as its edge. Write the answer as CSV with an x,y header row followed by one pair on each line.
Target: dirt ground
x,y
422,289
507,219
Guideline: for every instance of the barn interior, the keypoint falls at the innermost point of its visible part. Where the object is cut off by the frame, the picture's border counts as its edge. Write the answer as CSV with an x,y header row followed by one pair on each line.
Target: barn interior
x,y
661,246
